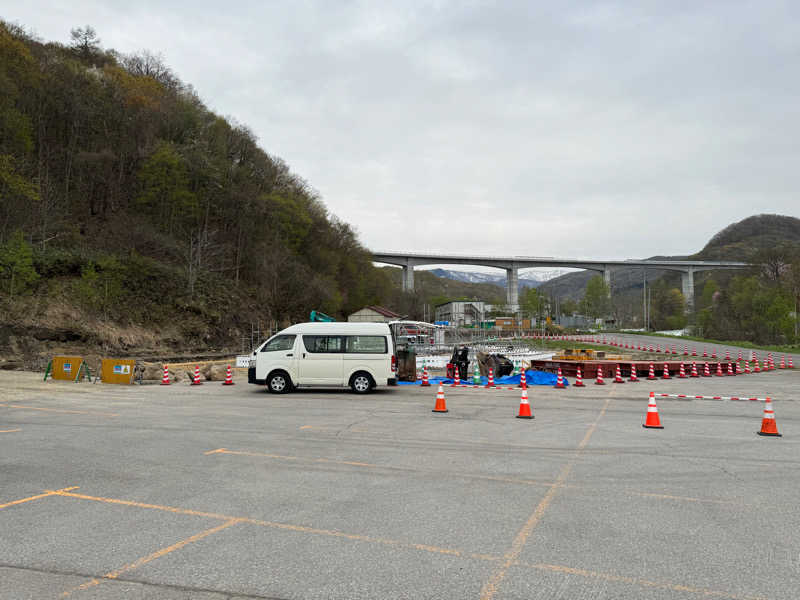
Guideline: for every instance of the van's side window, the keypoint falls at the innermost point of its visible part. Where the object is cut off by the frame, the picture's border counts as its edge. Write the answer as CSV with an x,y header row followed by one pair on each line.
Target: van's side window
x,y
323,343
282,342
366,344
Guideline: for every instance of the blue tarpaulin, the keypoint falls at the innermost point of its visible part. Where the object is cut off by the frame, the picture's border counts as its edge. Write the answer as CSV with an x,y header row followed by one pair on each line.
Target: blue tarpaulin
x,y
532,377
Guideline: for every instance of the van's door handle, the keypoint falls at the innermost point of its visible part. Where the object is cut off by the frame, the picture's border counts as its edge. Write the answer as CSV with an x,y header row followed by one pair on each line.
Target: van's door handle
x,y
290,354
304,354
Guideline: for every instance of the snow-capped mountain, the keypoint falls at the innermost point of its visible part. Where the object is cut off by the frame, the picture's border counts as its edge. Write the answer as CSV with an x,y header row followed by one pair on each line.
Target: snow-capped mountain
x,y
528,280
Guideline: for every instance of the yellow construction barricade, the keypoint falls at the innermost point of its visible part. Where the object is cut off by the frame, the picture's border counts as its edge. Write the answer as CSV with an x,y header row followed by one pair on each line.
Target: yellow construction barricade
x,y
117,370
67,368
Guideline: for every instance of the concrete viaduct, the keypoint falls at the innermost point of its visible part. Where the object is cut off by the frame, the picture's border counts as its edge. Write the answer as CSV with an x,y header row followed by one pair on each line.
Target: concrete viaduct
x,y
512,265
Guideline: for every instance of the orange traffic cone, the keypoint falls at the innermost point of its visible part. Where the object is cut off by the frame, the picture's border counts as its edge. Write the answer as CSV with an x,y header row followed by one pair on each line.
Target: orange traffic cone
x,y
652,374
790,365
425,382
694,351
686,350
599,380
228,377
746,368
196,380
633,378
739,368
719,370
682,372
559,382
652,421
768,426
756,369
441,406
165,378
618,376
523,379
456,378
706,371
666,372
730,369
524,407
579,378
783,361
694,370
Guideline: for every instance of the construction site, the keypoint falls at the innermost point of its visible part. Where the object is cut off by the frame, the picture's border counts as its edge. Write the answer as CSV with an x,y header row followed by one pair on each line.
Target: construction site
x,y
484,474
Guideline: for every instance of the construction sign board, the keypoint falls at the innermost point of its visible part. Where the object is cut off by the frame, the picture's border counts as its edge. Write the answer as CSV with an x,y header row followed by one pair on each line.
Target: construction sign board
x,y
117,370
65,367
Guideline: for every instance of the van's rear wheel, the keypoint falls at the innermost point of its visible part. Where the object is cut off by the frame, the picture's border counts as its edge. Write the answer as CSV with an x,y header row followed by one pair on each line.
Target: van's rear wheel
x,y
361,383
279,383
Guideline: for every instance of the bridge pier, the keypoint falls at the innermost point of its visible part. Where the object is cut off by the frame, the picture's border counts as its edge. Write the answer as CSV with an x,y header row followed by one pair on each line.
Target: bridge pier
x,y
408,277
687,285
512,288
607,278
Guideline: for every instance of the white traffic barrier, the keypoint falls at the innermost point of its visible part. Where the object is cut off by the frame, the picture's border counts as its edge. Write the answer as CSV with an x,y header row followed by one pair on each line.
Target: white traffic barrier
x,y
711,397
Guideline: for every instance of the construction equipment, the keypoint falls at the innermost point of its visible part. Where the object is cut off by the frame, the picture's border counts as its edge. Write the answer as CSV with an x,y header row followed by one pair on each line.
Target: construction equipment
x,y
320,317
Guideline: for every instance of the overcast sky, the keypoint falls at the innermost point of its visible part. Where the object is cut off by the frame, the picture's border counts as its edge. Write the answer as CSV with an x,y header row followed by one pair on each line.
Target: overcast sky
x,y
582,129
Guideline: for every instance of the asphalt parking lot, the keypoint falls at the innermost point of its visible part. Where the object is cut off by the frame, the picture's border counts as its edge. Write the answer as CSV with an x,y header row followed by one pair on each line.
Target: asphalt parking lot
x,y
215,492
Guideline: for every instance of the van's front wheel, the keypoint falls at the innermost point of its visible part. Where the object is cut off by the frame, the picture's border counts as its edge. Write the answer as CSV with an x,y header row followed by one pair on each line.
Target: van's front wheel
x,y
361,383
279,383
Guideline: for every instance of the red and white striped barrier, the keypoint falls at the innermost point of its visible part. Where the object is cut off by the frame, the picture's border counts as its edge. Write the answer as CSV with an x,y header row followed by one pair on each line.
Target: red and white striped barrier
x,y
710,397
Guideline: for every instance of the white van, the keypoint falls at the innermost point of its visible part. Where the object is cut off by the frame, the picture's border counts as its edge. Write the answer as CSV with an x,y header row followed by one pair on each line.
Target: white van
x,y
358,355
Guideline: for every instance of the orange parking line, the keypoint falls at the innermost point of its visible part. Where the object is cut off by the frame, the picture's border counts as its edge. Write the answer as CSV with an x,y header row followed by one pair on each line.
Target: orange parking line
x,y
61,410
490,587
37,496
507,561
149,558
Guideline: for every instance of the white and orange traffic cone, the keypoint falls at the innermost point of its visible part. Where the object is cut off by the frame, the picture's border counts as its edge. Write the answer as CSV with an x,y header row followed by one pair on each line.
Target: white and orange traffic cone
x,y
425,381
706,371
727,354
524,406
618,375
579,378
196,380
653,421
719,370
441,405
456,378
666,372
730,369
694,370
559,381
686,350
682,372
599,378
633,378
790,365
652,374
713,353
165,378
756,368
739,368
740,356
746,368
783,361
705,353
768,425
228,377
523,380
490,378
694,351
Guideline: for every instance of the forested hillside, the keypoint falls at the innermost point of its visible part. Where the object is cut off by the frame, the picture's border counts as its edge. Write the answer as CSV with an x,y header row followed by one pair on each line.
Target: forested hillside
x,y
124,200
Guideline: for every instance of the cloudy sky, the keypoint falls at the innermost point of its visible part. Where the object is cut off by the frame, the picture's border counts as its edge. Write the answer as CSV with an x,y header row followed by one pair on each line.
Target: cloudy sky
x,y
582,129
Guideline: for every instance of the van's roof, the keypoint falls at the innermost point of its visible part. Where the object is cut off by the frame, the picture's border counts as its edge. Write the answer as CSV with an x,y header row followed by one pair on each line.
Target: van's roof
x,y
343,328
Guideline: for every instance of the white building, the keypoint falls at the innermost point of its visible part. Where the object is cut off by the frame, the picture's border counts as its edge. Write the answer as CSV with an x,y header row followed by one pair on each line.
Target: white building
x,y
462,312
